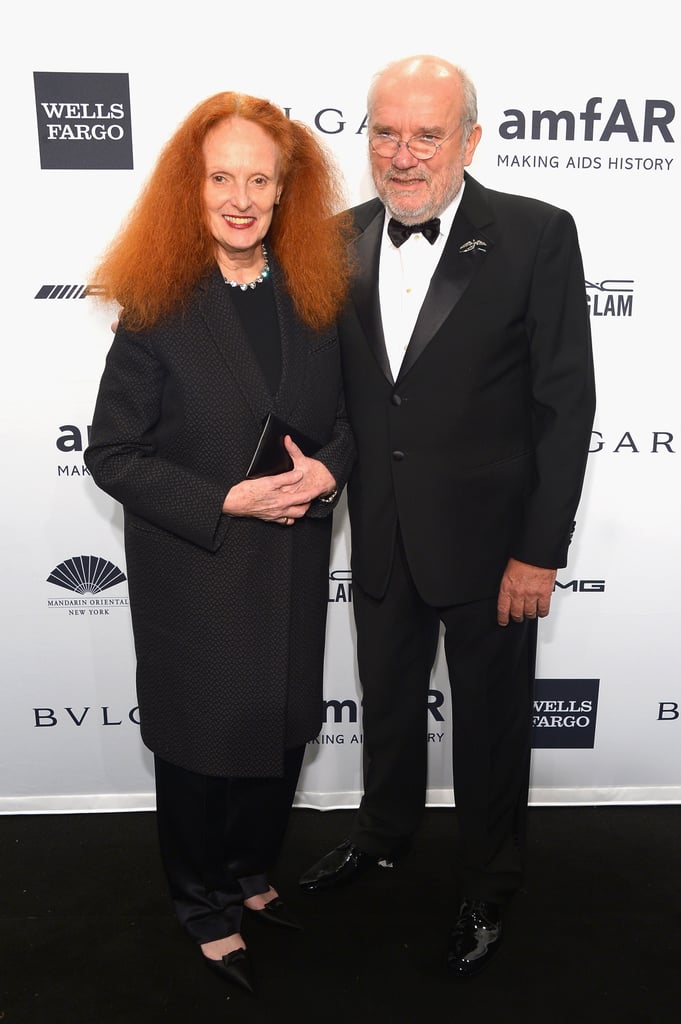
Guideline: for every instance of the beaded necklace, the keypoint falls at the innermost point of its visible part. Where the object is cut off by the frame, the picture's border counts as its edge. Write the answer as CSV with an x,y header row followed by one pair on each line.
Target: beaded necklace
x,y
262,276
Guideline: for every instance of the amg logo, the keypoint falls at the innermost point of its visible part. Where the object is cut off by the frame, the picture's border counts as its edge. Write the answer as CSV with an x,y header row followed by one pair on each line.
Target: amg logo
x,y
581,586
63,291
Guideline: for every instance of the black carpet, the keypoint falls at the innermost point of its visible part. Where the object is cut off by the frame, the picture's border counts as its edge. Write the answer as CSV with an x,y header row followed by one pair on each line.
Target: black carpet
x,y
88,936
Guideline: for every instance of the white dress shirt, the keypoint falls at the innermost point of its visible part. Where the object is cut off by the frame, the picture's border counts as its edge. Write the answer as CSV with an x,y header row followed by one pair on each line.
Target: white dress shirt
x,y
403,278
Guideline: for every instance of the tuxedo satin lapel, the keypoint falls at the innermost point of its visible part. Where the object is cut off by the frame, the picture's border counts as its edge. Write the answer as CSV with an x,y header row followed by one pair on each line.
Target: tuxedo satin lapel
x,y
224,324
364,292
464,254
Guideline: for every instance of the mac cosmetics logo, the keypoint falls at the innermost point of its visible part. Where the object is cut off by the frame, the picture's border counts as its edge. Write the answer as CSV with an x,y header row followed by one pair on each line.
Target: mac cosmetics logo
x,y
83,120
340,586
610,297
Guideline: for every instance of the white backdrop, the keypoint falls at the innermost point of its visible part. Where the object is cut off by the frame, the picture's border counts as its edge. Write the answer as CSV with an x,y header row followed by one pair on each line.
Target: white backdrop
x,y
609,691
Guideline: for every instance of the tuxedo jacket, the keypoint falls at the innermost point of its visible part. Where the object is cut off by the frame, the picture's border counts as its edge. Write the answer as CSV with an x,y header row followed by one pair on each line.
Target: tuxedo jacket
x,y
477,451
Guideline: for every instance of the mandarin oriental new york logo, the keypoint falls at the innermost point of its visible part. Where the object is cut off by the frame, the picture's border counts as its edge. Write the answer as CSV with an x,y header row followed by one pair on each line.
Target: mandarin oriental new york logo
x,y
84,120
85,577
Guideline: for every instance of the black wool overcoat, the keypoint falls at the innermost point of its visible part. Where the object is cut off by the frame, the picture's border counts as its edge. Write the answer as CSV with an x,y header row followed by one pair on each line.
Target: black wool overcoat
x,y
228,613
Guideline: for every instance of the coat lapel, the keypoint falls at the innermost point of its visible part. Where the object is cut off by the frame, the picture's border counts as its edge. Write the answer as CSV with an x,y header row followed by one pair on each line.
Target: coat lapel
x,y
464,253
229,337
367,250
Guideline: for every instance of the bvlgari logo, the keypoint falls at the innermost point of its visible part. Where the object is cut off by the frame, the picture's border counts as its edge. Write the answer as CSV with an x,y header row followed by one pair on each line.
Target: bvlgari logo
x,y
84,120
653,442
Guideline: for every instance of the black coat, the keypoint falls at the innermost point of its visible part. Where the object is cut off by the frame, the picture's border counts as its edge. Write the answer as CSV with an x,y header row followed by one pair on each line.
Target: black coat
x,y
228,613
479,448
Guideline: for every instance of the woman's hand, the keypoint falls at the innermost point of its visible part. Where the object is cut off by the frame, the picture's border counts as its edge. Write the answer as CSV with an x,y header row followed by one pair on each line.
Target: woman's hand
x,y
316,480
282,498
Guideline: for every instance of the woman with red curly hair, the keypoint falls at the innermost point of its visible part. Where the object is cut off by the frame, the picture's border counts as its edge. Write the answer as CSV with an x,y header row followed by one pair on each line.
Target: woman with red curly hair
x,y
230,270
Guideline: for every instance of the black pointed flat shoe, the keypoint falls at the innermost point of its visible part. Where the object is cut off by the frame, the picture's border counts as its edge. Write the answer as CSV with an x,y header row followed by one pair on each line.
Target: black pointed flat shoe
x,y
277,913
234,967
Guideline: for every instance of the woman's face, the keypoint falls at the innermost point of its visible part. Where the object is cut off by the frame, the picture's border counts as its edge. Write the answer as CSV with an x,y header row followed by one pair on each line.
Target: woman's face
x,y
241,184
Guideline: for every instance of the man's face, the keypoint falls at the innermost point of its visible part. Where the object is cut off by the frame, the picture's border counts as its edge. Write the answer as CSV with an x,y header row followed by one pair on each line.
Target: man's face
x,y
425,106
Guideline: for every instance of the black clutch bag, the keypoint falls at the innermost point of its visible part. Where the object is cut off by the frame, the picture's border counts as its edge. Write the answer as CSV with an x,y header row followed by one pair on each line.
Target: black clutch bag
x,y
270,456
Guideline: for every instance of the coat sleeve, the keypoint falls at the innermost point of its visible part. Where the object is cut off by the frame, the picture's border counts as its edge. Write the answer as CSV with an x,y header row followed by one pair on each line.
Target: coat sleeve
x,y
338,455
563,394
123,454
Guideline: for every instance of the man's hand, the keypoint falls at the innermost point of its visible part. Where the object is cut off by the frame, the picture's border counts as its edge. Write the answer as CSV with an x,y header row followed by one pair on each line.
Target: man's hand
x,y
525,592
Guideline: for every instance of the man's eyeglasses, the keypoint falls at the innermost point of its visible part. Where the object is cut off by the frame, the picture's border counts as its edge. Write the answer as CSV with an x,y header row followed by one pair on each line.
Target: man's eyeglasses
x,y
421,147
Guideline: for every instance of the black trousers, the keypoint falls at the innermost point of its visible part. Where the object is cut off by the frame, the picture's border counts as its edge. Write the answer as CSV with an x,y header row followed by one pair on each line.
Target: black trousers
x,y
491,673
219,838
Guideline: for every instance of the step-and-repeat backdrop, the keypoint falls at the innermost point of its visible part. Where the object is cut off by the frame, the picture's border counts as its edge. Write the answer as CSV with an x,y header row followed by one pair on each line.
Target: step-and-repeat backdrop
x,y
578,107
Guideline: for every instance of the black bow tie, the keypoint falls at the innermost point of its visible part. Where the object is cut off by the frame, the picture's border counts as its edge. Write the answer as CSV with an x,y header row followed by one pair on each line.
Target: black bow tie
x,y
399,233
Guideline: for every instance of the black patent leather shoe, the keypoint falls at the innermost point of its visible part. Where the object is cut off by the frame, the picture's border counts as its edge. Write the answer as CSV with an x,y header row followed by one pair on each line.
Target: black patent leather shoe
x,y
277,913
344,864
234,967
475,938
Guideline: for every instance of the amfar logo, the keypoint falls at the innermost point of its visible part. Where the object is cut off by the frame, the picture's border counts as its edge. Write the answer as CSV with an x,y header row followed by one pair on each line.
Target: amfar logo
x,y
564,713
83,120
337,712
87,575
618,123
73,440
647,124
611,297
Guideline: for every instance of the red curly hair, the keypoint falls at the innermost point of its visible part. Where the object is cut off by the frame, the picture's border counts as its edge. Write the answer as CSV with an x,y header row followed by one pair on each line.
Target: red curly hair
x,y
155,260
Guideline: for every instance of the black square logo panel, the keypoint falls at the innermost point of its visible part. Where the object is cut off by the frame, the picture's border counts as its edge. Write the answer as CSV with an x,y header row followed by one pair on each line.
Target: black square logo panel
x,y
565,713
83,121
